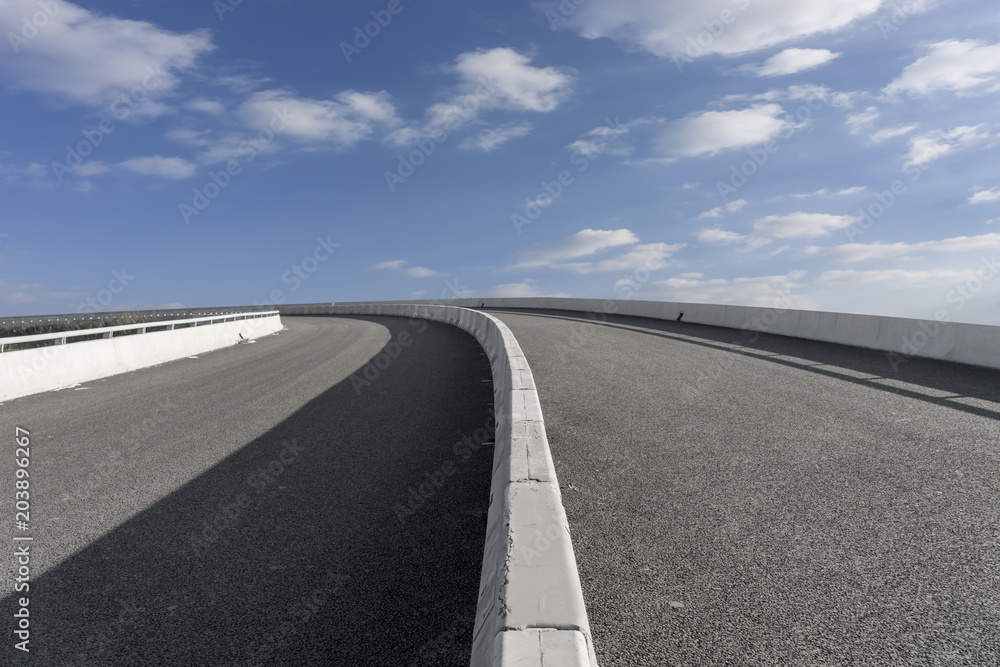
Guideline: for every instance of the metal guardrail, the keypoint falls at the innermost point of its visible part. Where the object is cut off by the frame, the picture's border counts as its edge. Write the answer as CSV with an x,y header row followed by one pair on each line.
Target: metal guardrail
x,y
7,323
62,337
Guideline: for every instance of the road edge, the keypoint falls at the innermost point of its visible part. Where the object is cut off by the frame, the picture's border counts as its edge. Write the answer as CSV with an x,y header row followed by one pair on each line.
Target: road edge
x,y
531,610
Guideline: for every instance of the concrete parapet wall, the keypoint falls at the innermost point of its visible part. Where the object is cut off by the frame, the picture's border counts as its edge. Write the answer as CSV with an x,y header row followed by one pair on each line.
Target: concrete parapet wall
x,y
25,372
976,344
531,610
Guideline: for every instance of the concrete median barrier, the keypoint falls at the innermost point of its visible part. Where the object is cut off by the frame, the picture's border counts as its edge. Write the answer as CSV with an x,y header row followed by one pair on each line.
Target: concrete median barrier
x,y
531,610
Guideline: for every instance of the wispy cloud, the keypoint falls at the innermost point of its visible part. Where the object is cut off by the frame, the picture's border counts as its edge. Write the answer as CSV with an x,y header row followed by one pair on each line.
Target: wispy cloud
x,y
492,138
850,253
790,61
718,211
412,271
800,224
157,165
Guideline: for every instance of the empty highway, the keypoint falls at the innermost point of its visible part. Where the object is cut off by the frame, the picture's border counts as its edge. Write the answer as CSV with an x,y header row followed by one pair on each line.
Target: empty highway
x,y
771,502
265,504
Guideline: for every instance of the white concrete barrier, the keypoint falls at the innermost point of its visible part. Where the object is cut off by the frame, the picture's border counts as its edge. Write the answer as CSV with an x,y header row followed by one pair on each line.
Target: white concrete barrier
x,y
531,611
975,344
25,372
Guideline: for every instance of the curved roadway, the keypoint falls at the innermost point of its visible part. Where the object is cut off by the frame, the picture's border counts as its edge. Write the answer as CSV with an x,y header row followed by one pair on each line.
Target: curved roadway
x,y
771,502
244,507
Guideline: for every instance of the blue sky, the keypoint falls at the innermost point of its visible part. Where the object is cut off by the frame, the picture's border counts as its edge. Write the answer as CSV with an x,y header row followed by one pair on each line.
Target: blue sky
x,y
833,154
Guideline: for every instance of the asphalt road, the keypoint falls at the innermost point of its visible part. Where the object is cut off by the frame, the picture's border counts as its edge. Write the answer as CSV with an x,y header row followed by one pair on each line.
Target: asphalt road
x,y
782,502
245,507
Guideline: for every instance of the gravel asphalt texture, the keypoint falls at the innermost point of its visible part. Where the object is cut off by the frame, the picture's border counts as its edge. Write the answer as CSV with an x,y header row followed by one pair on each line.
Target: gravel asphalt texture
x,y
240,508
771,502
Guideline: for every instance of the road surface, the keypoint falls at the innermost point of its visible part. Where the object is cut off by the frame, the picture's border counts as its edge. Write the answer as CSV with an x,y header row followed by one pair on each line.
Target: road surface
x,y
257,505
778,502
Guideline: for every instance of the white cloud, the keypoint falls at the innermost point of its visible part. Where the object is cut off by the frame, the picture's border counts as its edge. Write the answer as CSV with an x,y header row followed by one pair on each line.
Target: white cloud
x,y
598,141
766,291
731,207
492,138
586,242
92,168
157,165
796,92
982,196
213,107
94,59
412,271
850,253
928,147
189,137
648,256
350,117
391,264
582,243
799,224
709,132
719,236
791,61
421,272
739,26
892,132
488,79
522,289
957,66
827,192
897,278
725,237
511,81
861,120
525,288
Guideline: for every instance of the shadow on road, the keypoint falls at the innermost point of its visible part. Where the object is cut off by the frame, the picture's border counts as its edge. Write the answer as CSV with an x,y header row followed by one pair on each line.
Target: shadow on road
x,y
297,549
